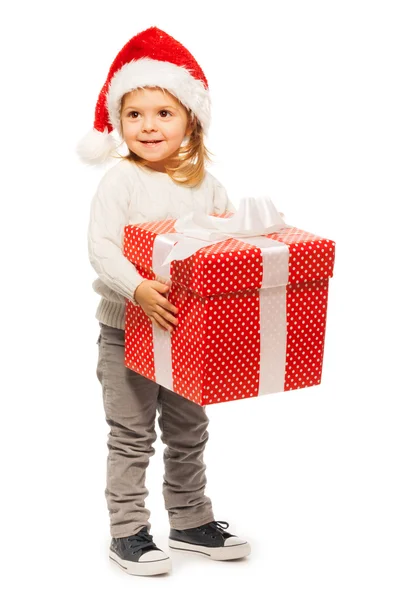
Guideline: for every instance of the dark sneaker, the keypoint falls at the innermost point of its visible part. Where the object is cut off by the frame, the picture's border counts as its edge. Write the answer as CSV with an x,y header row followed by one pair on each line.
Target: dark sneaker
x,y
138,555
211,540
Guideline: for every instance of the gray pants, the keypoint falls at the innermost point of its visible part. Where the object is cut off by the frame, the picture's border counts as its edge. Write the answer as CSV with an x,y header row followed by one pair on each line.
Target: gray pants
x,y
131,402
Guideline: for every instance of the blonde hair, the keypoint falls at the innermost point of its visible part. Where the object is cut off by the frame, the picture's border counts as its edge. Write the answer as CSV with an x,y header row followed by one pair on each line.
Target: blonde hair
x,y
187,165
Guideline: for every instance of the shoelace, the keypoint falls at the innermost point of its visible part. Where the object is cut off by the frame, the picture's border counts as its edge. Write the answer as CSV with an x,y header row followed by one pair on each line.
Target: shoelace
x,y
213,527
144,538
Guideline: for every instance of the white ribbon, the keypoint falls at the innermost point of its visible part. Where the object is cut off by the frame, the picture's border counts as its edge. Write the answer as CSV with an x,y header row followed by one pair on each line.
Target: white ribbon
x,y
254,217
249,223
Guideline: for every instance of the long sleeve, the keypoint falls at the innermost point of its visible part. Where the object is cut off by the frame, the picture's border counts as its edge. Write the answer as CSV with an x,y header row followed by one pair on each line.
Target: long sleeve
x,y
221,200
108,217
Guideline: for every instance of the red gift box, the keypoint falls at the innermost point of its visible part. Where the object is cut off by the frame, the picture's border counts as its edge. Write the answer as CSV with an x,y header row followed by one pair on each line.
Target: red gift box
x,y
251,318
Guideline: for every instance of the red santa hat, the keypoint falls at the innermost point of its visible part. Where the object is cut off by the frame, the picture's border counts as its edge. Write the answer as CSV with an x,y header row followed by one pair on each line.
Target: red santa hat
x,y
151,58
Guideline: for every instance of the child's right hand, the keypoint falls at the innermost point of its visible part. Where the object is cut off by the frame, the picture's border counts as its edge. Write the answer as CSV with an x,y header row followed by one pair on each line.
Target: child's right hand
x,y
149,295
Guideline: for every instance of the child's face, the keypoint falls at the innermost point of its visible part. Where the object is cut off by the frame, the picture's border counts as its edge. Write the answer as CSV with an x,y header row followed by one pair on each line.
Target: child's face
x,y
153,114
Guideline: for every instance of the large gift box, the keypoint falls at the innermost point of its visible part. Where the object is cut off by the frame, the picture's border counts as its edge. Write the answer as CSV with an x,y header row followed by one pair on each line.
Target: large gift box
x,y
252,305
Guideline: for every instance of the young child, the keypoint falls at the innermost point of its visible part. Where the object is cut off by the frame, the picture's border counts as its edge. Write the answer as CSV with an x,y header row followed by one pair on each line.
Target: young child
x,y
156,96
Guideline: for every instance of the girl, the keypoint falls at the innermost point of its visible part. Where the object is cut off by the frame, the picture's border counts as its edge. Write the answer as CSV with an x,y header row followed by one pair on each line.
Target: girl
x,y
156,96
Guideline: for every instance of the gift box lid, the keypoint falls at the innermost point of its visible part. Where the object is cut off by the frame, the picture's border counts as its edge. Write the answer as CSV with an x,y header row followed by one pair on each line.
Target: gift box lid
x,y
289,256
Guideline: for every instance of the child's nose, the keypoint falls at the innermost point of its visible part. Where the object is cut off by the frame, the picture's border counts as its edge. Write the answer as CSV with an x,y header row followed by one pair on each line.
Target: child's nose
x,y
148,124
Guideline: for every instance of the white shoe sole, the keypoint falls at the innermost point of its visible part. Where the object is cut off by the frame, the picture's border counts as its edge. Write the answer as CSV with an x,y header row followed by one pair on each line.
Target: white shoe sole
x,y
223,553
154,567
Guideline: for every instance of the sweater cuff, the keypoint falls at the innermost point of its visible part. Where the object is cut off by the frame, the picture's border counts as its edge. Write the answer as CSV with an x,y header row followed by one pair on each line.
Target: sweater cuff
x,y
131,296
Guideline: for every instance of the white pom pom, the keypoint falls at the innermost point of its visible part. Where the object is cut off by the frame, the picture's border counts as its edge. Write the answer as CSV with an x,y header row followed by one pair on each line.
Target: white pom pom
x,y
96,147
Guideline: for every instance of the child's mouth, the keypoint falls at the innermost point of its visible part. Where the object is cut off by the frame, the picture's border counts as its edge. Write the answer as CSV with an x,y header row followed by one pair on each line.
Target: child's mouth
x,y
152,143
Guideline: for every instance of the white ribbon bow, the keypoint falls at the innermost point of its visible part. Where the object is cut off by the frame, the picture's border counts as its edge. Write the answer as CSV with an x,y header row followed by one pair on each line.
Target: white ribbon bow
x,y
254,217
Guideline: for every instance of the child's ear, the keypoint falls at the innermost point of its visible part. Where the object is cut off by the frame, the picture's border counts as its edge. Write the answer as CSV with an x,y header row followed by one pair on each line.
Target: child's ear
x,y
190,125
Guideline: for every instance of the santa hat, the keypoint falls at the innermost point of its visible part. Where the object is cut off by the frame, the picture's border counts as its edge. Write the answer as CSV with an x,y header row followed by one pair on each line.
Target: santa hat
x,y
151,58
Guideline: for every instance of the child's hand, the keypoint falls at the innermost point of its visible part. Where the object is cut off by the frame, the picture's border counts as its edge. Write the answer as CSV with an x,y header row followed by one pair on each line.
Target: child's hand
x,y
149,295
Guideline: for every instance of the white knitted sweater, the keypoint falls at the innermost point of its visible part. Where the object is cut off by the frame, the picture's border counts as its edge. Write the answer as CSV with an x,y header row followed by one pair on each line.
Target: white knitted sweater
x,y
129,194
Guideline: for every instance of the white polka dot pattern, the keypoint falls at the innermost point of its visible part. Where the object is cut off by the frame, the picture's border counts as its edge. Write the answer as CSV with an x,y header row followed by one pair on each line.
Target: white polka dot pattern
x,y
216,347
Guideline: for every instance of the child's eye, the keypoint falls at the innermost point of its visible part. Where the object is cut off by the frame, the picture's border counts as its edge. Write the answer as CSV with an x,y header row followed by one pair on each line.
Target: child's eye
x,y
134,112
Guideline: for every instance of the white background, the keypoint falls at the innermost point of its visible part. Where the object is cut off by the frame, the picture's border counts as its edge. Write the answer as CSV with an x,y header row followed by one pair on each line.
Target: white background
x,y
313,105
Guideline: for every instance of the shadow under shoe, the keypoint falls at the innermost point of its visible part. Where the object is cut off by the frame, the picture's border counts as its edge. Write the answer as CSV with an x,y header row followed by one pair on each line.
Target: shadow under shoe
x,y
138,555
211,540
